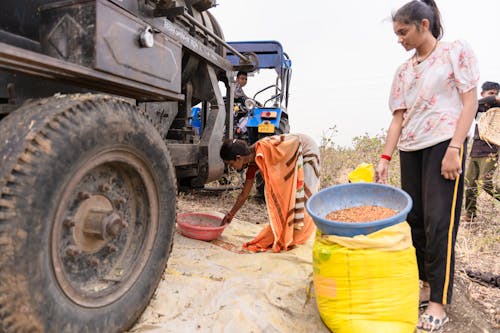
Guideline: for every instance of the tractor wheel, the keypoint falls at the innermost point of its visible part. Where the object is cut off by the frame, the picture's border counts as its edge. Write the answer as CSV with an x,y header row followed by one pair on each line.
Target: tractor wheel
x,y
284,126
260,186
87,214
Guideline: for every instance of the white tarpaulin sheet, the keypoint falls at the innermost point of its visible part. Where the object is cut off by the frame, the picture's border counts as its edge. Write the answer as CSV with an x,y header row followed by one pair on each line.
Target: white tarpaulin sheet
x,y
210,287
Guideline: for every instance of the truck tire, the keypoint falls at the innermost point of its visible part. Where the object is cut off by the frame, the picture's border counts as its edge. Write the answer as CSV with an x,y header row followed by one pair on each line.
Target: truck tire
x,y
87,215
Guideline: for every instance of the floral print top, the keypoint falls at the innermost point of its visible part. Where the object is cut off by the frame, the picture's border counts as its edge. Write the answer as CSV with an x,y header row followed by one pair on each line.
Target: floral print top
x,y
430,94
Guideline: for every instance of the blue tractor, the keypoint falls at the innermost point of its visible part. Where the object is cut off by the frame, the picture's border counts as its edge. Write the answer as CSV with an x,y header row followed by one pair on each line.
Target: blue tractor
x,y
269,116
266,113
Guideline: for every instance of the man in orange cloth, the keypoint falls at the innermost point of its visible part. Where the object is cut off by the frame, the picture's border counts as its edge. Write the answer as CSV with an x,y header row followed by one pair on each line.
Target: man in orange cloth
x,y
290,166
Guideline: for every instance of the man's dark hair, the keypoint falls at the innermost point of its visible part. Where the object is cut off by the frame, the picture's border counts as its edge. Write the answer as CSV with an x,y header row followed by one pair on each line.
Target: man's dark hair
x,y
232,148
489,85
241,73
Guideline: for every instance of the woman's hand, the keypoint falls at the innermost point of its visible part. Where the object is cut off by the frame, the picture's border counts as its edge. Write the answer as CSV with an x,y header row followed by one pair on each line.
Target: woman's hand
x,y
382,171
451,166
393,134
227,219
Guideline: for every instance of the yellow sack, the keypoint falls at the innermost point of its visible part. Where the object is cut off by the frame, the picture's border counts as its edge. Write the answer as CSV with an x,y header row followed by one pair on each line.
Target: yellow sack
x,y
363,173
367,287
394,238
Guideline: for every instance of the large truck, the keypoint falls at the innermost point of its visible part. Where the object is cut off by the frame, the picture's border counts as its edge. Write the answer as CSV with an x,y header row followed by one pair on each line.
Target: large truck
x,y
95,140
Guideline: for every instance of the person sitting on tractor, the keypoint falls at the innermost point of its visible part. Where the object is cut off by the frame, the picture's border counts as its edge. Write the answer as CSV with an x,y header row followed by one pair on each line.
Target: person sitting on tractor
x,y
240,97
241,81
290,167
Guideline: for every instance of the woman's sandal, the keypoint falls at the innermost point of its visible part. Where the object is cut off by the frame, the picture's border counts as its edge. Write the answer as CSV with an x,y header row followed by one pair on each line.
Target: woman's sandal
x,y
434,324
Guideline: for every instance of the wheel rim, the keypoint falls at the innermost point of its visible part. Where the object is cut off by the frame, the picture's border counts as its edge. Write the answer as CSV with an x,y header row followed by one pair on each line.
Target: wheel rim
x,y
105,227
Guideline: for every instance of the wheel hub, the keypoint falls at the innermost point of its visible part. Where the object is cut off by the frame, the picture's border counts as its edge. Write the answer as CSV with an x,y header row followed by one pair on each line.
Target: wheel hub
x,y
106,225
96,223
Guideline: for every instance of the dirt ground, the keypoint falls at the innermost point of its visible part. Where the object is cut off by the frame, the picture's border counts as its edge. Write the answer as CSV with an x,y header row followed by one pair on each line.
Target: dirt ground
x,y
475,306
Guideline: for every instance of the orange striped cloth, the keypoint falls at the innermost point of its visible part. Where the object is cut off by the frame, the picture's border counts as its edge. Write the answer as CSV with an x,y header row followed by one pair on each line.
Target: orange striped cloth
x,y
291,175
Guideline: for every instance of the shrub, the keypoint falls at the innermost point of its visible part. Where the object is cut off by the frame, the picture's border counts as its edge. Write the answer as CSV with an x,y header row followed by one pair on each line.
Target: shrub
x,y
337,162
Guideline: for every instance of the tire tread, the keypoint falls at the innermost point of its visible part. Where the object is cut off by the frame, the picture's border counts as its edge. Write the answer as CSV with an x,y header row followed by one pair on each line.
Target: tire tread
x,y
18,158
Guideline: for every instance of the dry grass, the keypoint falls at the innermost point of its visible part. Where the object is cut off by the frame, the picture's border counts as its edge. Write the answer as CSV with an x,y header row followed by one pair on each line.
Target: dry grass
x,y
337,162
477,249
478,242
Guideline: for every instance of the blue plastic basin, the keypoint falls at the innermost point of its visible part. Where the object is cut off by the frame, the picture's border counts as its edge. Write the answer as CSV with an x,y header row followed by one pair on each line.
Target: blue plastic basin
x,y
353,195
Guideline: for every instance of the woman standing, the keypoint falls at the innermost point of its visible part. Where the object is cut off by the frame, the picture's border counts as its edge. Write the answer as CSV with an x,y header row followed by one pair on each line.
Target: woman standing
x,y
433,101
289,164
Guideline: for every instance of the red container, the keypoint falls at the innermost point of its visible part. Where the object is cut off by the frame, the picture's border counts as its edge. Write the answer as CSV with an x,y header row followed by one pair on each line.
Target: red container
x,y
202,226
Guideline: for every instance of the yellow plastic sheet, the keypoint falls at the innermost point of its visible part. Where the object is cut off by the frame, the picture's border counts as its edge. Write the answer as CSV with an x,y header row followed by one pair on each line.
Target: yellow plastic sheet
x,y
393,238
367,287
364,172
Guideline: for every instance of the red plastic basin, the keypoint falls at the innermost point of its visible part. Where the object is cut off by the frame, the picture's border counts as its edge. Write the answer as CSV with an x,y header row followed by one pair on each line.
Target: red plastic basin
x,y
202,226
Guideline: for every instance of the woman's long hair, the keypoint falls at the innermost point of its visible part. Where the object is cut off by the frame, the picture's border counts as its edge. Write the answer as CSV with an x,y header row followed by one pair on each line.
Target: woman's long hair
x,y
415,11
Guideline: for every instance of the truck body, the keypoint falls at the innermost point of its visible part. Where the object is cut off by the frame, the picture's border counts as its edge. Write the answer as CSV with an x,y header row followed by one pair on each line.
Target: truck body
x,y
95,140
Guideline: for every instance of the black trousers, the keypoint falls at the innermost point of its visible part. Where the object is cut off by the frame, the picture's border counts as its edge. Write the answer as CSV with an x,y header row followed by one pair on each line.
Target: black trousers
x,y
434,217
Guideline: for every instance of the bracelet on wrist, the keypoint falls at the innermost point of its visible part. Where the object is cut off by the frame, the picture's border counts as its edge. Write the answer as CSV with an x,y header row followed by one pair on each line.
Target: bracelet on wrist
x,y
455,147
386,157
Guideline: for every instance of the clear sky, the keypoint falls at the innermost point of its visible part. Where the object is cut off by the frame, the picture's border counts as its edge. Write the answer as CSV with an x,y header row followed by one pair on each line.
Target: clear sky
x,y
344,54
